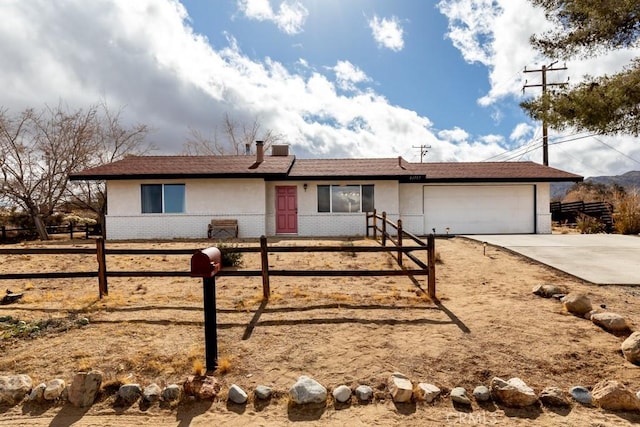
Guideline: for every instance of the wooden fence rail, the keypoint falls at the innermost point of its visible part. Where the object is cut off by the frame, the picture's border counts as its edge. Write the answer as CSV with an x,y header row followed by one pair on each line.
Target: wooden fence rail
x,y
101,252
70,229
385,224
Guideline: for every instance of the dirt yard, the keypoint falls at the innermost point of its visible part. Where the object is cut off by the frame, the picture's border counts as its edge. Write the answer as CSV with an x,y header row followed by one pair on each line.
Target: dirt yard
x,y
337,330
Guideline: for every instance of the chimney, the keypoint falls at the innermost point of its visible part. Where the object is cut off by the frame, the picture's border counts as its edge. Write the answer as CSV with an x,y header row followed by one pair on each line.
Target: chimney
x,y
259,151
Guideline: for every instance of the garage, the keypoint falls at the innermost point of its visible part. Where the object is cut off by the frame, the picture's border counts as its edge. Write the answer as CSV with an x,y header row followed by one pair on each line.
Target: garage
x,y
479,209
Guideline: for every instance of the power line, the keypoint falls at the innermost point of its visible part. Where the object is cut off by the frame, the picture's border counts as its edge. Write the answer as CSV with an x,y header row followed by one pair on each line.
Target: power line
x,y
543,85
423,150
616,150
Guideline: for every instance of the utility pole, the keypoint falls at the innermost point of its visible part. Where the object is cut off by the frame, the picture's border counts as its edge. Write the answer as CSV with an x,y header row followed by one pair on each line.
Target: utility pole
x,y
543,85
423,150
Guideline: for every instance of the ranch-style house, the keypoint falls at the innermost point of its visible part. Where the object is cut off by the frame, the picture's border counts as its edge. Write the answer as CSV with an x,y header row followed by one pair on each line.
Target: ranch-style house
x,y
165,197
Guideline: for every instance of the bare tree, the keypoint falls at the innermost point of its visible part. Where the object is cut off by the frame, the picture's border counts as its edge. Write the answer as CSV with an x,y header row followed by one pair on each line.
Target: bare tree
x,y
236,136
41,149
113,141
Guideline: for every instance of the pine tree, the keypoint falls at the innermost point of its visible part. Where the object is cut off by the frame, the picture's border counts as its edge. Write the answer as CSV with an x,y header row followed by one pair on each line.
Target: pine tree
x,y
588,28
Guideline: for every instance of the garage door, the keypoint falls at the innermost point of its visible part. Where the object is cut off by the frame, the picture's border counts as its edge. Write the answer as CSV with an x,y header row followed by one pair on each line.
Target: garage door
x,y
479,209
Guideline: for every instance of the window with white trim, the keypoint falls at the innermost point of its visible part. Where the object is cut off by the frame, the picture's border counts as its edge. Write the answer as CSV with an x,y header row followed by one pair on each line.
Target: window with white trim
x,y
345,198
162,198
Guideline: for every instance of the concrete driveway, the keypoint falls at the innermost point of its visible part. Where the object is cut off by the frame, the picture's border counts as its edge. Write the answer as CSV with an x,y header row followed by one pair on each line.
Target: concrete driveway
x,y
603,259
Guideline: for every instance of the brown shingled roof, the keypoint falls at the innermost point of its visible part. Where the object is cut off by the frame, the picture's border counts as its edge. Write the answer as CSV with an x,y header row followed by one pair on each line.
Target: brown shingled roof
x,y
137,167
491,171
321,168
288,167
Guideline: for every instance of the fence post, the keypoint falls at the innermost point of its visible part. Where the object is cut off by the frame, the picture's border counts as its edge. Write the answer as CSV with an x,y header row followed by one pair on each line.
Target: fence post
x,y
4,233
400,242
210,323
86,231
264,255
102,268
375,224
384,229
431,265
366,217
71,230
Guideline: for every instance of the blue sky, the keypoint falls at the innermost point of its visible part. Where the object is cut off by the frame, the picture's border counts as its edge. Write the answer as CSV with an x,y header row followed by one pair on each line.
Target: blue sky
x,y
336,78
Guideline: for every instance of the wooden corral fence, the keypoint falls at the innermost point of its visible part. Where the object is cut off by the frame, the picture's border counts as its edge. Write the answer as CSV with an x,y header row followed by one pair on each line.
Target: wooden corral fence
x,y
380,223
15,233
103,273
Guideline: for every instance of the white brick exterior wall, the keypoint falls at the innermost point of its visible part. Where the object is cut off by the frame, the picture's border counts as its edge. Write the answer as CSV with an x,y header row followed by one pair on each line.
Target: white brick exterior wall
x,y
241,199
253,203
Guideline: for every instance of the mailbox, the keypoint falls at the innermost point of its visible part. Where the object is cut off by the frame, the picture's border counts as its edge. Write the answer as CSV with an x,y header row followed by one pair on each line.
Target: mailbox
x,y
206,262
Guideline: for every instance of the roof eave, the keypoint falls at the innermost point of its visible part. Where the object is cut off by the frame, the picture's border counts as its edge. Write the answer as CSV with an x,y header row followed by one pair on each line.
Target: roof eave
x,y
501,179
176,176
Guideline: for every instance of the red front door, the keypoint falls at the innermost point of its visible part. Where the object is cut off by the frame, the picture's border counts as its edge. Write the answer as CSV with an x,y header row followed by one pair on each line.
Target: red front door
x,y
286,209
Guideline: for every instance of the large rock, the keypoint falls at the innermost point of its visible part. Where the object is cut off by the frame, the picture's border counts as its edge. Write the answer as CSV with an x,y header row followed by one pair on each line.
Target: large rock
x,y
308,390
614,396
554,396
513,393
151,393
171,393
237,394
342,393
428,391
263,392
547,291
400,387
581,395
578,304
611,322
54,389
364,392
481,393
14,388
129,393
84,388
37,394
631,348
459,395
202,387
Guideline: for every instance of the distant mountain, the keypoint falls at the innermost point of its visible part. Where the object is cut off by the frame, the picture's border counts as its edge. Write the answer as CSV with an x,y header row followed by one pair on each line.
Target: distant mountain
x,y
559,189
627,180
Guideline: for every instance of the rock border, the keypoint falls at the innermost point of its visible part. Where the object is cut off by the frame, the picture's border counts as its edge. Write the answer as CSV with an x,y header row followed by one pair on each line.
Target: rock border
x,y
511,393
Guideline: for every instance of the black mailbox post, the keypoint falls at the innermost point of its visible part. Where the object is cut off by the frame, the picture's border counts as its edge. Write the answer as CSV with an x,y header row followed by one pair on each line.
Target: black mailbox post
x,y
206,263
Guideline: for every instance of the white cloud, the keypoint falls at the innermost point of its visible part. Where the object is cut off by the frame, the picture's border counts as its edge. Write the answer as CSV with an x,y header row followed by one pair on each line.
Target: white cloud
x,y
456,134
521,132
387,32
492,139
290,17
496,33
348,75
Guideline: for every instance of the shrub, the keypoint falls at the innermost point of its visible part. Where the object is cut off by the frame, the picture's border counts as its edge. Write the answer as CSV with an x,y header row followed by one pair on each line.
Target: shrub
x,y
75,219
626,219
229,257
589,225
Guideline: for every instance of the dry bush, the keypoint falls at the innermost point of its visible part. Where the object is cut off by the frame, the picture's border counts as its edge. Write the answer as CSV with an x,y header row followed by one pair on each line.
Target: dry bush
x,y
591,192
589,225
224,365
198,367
626,219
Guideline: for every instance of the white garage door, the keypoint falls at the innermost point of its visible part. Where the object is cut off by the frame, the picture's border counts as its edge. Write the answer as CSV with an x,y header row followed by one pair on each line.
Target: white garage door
x,y
479,209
